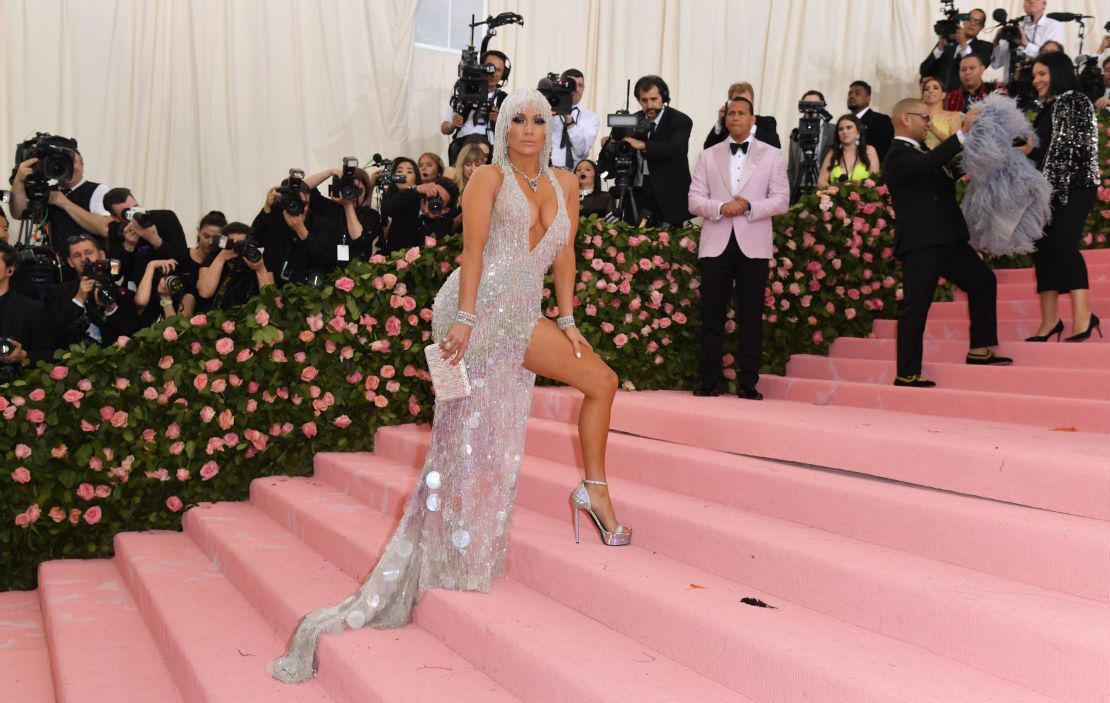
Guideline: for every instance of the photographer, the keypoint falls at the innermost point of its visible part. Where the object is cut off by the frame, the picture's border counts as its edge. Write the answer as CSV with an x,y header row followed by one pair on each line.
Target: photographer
x,y
478,119
663,173
88,213
1034,29
137,236
573,135
943,62
24,333
354,225
176,295
237,273
821,123
419,211
1103,101
93,308
298,242
765,128
592,198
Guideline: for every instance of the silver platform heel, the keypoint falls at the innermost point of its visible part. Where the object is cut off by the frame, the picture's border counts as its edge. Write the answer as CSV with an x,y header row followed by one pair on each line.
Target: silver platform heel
x,y
580,501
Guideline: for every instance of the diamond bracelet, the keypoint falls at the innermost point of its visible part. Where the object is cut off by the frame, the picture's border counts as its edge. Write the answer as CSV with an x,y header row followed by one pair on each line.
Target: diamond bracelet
x,y
466,318
565,323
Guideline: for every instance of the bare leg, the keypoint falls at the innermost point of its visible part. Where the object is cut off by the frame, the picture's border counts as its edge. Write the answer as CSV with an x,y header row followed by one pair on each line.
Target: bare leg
x,y
1050,310
1080,310
550,354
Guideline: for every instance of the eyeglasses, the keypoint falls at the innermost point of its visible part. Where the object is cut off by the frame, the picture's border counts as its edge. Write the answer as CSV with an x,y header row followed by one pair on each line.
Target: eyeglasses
x,y
976,20
922,115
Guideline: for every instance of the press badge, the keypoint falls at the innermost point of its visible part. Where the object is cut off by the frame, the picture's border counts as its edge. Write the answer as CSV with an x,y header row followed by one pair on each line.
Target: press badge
x,y
343,252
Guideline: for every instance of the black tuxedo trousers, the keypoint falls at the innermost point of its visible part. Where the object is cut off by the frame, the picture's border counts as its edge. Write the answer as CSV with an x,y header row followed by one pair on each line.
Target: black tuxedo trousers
x,y
720,275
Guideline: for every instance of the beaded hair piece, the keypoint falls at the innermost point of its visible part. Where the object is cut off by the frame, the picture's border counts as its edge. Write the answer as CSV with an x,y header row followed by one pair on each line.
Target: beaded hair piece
x,y
518,101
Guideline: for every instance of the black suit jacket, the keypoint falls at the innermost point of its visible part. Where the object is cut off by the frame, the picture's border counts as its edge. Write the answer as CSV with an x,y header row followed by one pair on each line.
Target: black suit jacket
x,y
925,210
134,262
879,130
65,316
766,131
947,69
23,319
667,155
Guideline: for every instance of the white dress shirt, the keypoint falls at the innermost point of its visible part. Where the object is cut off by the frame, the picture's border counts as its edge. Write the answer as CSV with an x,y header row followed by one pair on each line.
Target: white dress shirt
x,y
582,134
1038,34
643,162
96,201
736,168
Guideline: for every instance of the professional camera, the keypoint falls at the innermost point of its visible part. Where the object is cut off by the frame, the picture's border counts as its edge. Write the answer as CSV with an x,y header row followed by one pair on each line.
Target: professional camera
x,y
472,87
103,271
385,181
1008,30
618,159
55,155
247,249
289,194
176,282
435,205
346,185
948,26
37,268
559,91
812,117
139,216
1091,83
7,346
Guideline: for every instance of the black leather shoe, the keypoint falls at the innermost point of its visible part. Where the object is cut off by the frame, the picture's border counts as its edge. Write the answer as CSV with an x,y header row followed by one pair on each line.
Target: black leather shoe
x,y
914,381
989,359
749,393
706,391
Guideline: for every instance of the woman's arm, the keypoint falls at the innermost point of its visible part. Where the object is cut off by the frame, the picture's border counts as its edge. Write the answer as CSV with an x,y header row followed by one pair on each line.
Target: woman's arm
x,y
209,278
142,292
823,179
873,159
563,269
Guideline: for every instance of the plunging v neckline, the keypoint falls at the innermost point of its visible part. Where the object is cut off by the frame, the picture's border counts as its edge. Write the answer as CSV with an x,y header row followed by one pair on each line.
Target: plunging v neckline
x,y
547,230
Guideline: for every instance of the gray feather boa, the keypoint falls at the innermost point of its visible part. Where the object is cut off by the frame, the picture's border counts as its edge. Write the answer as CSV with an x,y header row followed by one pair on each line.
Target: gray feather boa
x,y
1007,202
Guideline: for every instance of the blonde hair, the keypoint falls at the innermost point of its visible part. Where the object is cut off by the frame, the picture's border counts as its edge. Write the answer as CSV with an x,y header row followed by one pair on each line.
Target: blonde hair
x,y
741,87
469,154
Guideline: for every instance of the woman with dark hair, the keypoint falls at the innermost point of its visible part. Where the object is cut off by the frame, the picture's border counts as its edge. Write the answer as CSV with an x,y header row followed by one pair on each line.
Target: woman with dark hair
x,y
592,200
850,158
187,272
431,167
942,123
1067,155
404,166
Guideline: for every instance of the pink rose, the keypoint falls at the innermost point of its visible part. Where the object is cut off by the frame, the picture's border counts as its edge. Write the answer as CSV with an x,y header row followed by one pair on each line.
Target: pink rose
x,y
227,419
620,340
173,431
309,373
342,422
388,371
169,334
309,429
195,348
84,385
209,470
86,491
183,475
213,365
149,435
103,491
198,321
57,514
411,255
177,447
22,520
381,401
244,355
228,326
390,280
207,413
21,475
414,407
73,397
219,385
392,326
345,284
200,381
59,373
37,395
262,317
224,345
150,393
371,383
34,415
92,515
278,356
119,418
174,504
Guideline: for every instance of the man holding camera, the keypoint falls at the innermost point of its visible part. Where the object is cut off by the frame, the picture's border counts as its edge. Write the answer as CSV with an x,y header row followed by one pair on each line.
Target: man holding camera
x,y
880,131
86,198
94,307
663,169
354,225
235,274
826,134
473,119
1033,31
943,62
298,242
24,333
426,210
573,135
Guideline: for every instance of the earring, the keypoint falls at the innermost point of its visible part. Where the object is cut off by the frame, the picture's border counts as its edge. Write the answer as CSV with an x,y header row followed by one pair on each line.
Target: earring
x,y
857,141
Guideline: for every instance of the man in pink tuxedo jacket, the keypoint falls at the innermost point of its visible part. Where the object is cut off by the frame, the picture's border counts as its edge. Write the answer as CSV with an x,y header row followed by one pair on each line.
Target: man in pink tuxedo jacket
x,y
738,186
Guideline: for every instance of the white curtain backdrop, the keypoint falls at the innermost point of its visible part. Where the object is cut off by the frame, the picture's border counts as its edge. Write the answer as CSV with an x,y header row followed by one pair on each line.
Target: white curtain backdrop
x,y
204,104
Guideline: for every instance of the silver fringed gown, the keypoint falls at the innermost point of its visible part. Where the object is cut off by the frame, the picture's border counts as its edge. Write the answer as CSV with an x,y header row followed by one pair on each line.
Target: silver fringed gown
x,y
454,533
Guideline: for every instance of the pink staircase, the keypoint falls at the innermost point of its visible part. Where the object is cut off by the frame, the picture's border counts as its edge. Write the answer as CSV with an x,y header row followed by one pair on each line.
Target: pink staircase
x,y
947,544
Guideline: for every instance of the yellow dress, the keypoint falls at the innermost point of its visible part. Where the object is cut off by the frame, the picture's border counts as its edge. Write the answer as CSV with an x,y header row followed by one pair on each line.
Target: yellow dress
x,y
944,127
859,172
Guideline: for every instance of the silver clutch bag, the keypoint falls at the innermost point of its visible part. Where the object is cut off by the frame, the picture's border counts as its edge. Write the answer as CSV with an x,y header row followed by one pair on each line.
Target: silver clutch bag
x,y
450,381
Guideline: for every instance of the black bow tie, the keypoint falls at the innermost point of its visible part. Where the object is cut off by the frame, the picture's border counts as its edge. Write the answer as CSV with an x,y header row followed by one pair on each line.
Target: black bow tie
x,y
742,147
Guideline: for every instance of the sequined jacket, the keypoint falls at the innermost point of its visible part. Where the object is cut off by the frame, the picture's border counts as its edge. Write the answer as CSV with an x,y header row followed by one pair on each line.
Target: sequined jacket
x,y
1068,151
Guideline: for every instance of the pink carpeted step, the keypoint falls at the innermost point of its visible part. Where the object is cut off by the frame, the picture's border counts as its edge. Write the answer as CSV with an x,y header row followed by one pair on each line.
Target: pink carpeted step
x,y
679,526
100,648
1008,330
1092,384
284,579
1025,354
1095,257
1061,471
1049,412
24,656
1025,309
528,643
1095,272
215,643
1099,287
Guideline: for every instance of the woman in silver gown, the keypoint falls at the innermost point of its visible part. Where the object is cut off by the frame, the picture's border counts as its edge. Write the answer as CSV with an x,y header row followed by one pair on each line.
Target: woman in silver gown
x,y
520,218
